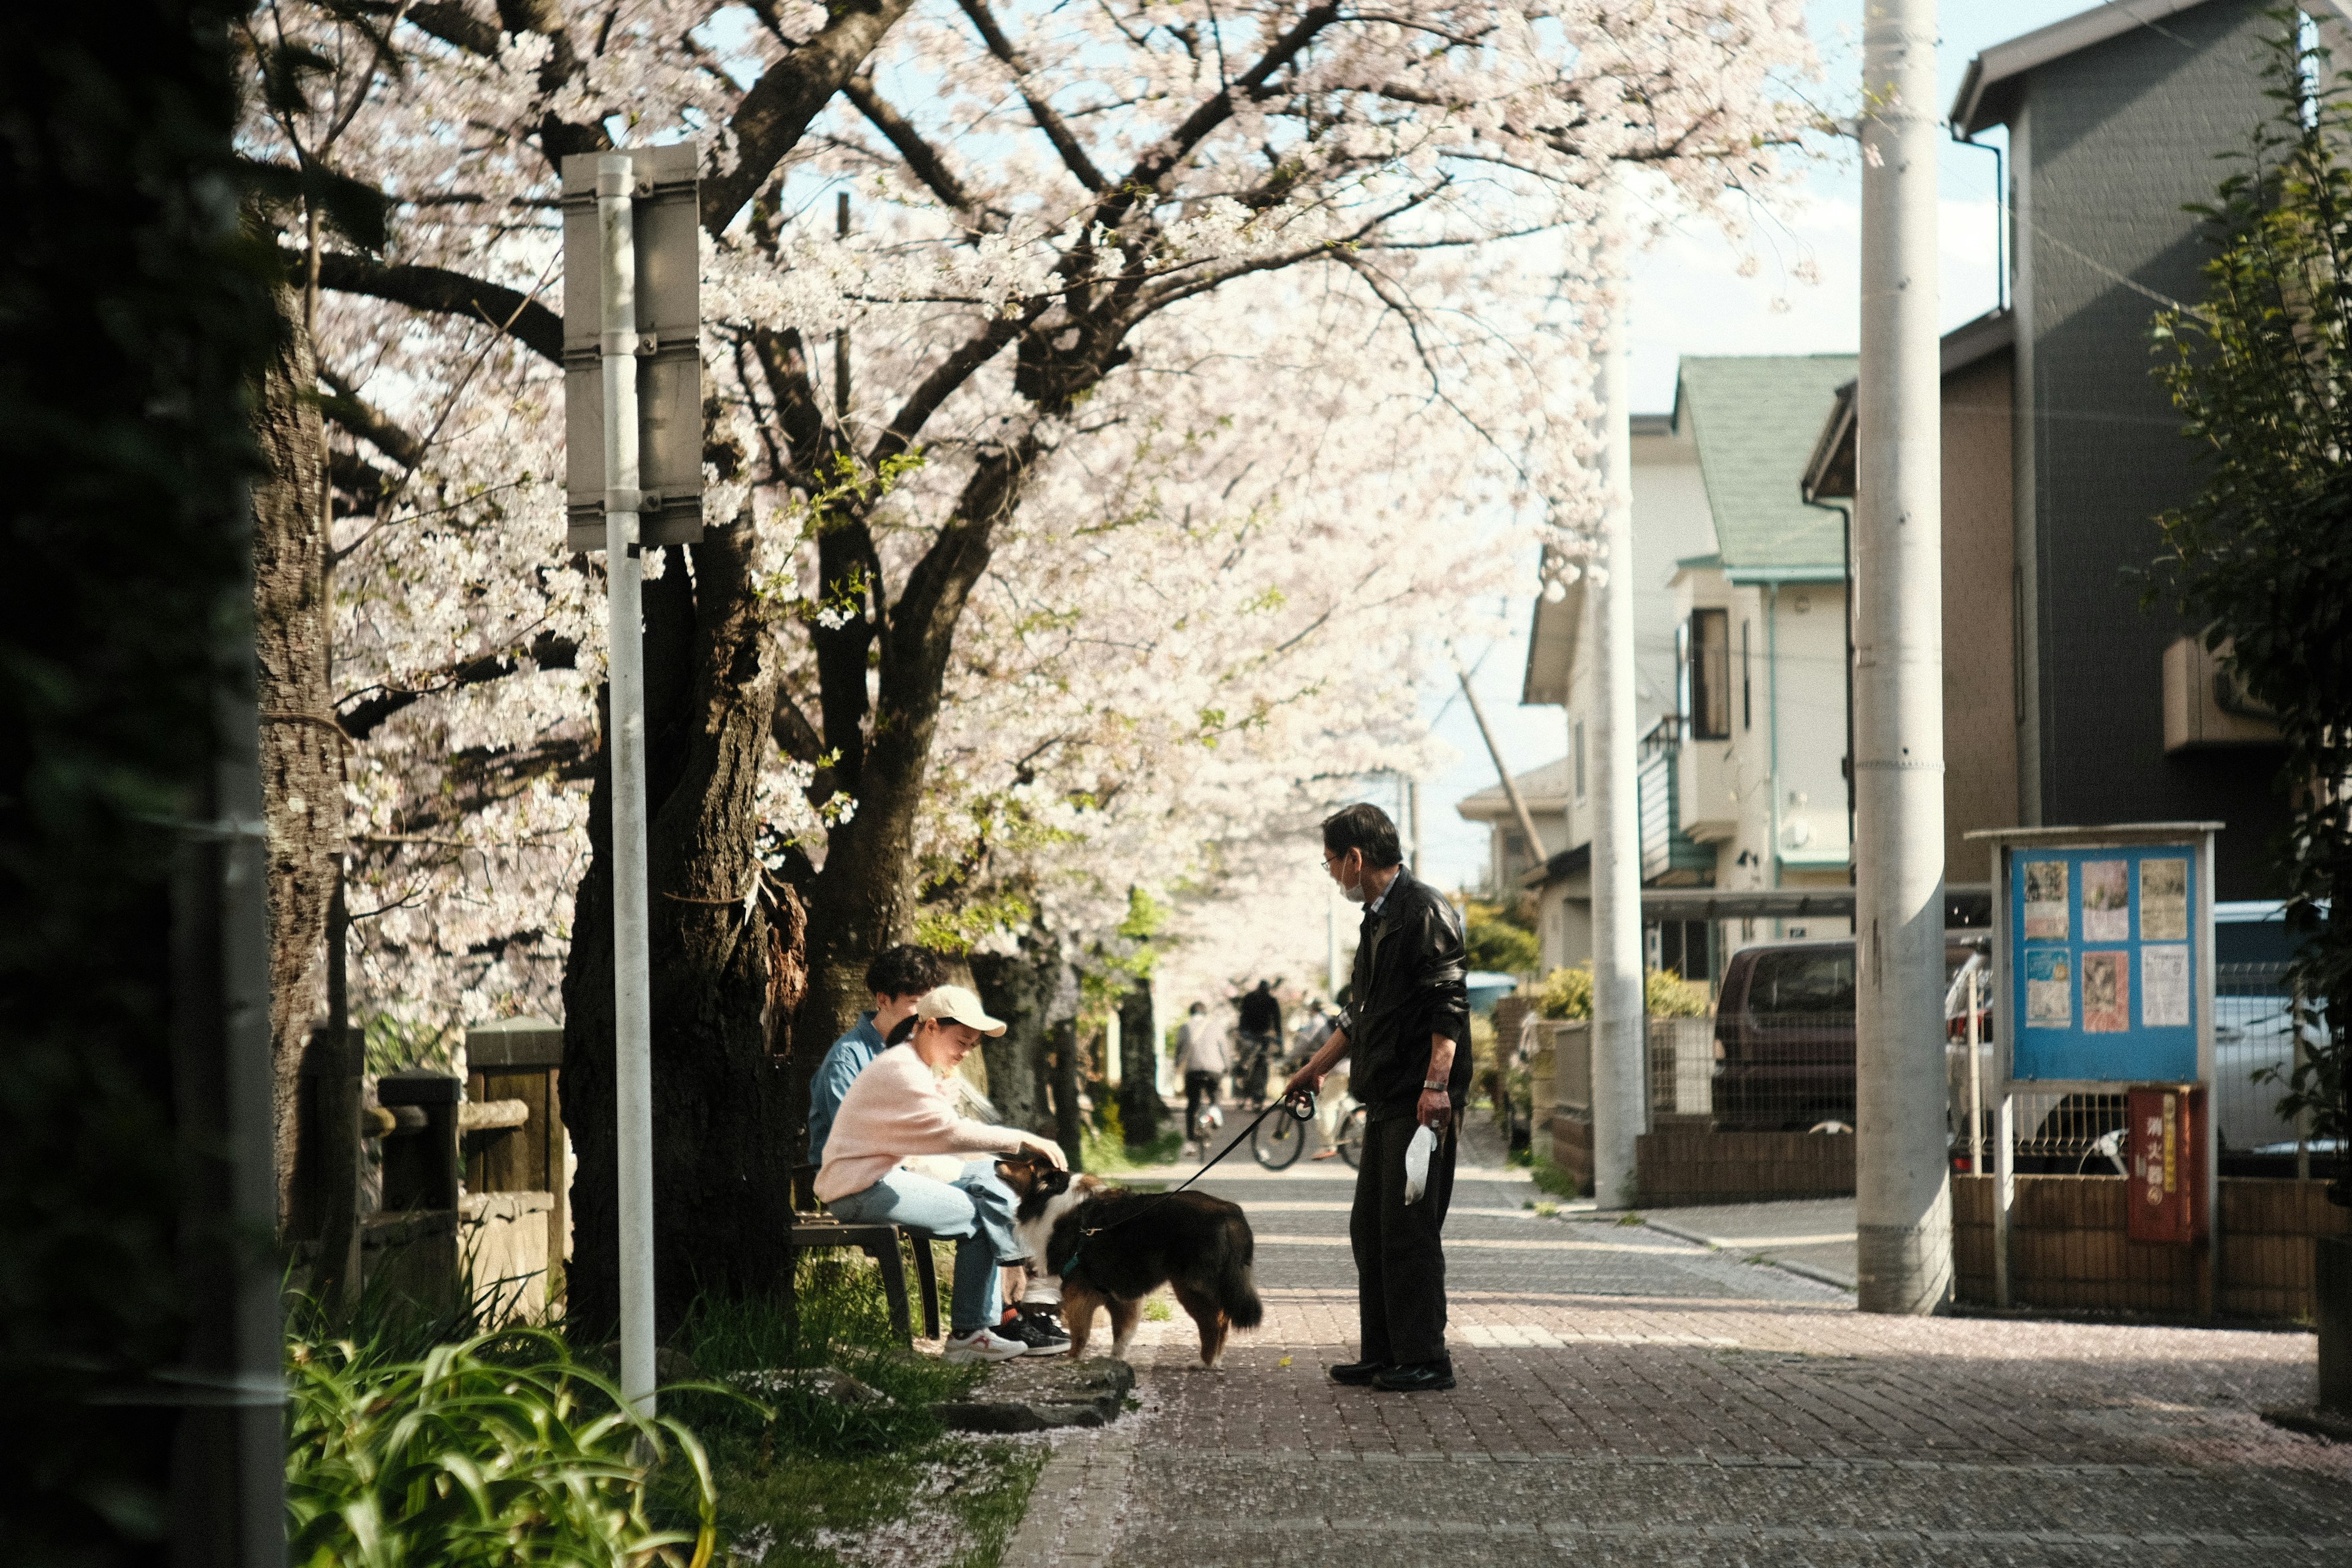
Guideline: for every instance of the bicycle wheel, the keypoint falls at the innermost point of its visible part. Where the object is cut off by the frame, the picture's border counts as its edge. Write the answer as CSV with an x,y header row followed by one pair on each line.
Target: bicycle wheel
x,y
1351,1138
1278,1142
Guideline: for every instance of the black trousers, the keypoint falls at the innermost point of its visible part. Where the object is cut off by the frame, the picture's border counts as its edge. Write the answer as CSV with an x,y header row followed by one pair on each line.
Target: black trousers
x,y
1400,1261
1200,1088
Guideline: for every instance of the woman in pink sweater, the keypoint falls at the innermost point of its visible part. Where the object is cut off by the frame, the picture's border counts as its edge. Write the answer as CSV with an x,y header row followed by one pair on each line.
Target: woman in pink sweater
x,y
897,1110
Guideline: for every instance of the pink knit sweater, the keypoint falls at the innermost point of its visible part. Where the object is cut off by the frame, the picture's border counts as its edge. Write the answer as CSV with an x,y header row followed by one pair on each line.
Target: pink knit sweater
x,y
895,1107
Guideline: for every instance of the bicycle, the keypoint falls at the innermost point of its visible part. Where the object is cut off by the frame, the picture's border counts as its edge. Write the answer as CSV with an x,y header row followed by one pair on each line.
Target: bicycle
x,y
1277,1144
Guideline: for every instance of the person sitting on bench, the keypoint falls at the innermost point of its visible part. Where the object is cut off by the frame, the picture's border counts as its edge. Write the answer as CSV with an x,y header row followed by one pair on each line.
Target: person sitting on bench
x,y
897,1111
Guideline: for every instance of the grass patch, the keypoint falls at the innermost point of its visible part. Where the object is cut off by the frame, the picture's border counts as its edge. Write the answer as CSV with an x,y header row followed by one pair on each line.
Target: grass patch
x,y
1630,1217
1545,1211
1549,1178
1106,1153
1159,1310
800,1475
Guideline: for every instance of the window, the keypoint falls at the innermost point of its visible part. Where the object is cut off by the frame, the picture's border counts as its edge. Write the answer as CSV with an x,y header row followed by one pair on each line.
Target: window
x,y
1818,982
1746,694
1710,674
1682,947
1579,749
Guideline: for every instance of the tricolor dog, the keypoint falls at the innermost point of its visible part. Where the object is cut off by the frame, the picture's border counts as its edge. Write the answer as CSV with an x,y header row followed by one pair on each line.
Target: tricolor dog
x,y
1113,1247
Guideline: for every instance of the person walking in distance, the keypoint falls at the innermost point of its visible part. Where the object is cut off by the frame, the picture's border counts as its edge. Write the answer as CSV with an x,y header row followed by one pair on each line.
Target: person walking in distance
x,y
1201,1059
1406,1031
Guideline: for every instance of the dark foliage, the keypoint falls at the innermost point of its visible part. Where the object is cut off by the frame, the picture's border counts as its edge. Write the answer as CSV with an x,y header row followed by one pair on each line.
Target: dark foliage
x,y
130,316
2263,373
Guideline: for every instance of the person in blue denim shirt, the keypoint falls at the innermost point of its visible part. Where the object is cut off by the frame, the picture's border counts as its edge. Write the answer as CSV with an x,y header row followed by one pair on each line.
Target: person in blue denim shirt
x,y
899,977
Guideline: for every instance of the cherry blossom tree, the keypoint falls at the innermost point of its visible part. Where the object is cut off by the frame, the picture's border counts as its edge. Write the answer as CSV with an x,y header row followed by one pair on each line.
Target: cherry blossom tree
x,y
1186,344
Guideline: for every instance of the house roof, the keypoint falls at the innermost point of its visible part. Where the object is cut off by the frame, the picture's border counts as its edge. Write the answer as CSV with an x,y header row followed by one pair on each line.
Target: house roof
x,y
1989,91
1755,419
1829,472
1544,789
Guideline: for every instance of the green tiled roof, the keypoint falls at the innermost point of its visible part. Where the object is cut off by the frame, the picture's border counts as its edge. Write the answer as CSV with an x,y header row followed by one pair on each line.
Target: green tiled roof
x,y
1755,419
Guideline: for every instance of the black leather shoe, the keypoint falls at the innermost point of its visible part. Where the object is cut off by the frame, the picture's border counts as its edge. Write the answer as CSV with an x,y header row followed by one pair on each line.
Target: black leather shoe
x,y
1426,1377
1359,1373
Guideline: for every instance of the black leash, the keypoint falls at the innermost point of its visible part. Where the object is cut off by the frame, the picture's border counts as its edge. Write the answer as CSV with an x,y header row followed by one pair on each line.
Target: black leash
x,y
1299,1107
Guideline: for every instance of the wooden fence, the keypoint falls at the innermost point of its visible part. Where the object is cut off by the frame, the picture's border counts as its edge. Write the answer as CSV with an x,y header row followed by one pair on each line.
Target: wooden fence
x,y
2068,1249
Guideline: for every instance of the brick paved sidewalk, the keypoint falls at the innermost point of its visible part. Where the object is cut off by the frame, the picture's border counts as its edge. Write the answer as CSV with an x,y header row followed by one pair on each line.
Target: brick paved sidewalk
x,y
1629,1398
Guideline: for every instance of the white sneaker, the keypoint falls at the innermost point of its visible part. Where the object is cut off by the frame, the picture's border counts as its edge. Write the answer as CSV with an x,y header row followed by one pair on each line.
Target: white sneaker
x,y
983,1344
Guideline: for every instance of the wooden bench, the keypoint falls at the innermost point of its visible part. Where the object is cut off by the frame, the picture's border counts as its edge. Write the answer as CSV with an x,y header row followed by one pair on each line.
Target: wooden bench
x,y
813,1230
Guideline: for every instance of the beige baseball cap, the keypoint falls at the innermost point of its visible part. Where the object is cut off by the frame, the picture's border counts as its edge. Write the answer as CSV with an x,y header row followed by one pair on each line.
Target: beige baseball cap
x,y
958,1004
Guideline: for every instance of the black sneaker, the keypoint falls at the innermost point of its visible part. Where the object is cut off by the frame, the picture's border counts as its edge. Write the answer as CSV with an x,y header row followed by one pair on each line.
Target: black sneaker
x,y
1039,1329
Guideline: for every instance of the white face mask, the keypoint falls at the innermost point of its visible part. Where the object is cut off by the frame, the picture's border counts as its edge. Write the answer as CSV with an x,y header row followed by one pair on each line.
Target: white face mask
x,y
1355,892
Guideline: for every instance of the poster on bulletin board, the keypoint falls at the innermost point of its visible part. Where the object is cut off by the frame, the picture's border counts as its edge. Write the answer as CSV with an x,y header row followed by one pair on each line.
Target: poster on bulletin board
x,y
2103,956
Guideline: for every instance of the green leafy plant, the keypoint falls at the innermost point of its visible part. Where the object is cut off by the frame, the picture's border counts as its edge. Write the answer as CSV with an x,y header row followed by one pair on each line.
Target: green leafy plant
x,y
1501,937
2262,556
1568,993
497,1450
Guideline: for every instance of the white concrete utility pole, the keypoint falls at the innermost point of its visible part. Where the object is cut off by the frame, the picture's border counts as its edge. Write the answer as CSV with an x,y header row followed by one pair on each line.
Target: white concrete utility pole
x,y
1620,1089
1903,1186
633,1026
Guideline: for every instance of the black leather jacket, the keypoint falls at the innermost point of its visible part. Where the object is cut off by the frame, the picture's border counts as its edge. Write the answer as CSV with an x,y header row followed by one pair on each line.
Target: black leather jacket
x,y
1409,982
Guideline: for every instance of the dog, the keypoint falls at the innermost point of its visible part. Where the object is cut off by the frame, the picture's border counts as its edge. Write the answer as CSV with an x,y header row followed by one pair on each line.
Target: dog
x,y
1198,1245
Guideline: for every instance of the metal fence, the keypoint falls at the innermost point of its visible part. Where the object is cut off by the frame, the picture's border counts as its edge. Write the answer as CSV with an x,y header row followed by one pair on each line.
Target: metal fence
x,y
1754,1071
2253,1048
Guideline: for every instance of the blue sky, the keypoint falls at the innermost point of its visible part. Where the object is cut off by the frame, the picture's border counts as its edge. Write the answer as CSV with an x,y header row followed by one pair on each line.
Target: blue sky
x,y
1689,298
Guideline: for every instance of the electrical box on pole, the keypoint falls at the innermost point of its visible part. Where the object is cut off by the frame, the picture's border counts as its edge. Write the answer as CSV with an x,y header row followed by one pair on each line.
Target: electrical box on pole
x,y
668,220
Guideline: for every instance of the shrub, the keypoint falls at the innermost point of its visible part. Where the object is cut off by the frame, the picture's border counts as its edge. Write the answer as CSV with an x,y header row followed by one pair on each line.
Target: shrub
x,y
1568,993
496,1450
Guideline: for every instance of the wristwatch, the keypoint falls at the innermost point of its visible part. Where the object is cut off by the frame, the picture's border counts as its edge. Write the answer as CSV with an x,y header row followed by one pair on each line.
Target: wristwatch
x,y
1434,1088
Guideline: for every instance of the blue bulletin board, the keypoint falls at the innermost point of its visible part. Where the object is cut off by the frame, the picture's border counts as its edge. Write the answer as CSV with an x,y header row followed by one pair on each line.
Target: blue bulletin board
x,y
2102,963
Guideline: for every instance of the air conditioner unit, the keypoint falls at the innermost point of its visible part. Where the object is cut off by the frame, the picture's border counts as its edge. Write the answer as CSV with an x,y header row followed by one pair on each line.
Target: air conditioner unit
x,y
2205,704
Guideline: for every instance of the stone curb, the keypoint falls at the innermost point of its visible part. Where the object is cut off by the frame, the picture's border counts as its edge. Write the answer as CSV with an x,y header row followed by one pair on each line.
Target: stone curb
x,y
1039,1393
1801,1270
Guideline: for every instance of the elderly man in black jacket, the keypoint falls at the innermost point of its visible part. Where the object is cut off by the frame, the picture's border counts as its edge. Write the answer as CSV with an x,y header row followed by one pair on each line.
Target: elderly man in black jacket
x,y
1407,1032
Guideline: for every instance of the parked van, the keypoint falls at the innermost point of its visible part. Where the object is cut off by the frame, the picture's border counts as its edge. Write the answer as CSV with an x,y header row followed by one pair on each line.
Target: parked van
x,y
1784,1034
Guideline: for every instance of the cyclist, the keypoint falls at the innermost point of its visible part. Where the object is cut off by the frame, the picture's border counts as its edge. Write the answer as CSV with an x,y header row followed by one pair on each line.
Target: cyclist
x,y
1261,1037
1200,1062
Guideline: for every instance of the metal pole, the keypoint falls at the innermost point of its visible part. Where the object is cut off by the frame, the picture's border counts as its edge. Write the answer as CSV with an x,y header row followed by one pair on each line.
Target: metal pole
x,y
1511,784
1976,1078
1412,815
1619,1097
1331,947
1902,1183
632,982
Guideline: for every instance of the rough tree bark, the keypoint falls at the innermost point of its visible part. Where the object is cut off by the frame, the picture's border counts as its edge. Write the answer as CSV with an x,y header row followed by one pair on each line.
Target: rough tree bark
x,y
1018,988
302,760
725,942
1069,1121
1139,1111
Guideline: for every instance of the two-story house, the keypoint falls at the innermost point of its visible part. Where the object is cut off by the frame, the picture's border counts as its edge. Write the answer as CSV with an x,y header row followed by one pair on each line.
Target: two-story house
x,y
2065,700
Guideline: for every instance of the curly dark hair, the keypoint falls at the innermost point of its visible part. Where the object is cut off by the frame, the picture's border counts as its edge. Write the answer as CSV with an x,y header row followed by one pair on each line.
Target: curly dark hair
x,y
1366,828
905,970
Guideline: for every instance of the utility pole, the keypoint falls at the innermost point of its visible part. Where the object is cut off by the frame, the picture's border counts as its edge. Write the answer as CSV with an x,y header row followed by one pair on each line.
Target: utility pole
x,y
1510,785
1620,1090
1902,1192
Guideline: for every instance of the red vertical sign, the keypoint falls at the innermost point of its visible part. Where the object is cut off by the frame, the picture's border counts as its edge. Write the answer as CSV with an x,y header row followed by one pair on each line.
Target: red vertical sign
x,y
2166,1133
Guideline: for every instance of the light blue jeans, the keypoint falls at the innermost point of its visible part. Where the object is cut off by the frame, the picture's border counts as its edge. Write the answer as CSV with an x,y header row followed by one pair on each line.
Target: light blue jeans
x,y
974,1211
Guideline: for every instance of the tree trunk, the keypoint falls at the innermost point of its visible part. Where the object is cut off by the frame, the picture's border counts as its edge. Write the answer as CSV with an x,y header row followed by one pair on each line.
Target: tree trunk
x,y
1139,1111
302,760
726,974
1069,1121
1019,989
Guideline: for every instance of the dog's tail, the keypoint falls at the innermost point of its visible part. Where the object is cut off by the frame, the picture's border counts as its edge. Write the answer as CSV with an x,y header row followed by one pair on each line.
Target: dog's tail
x,y
1236,1280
